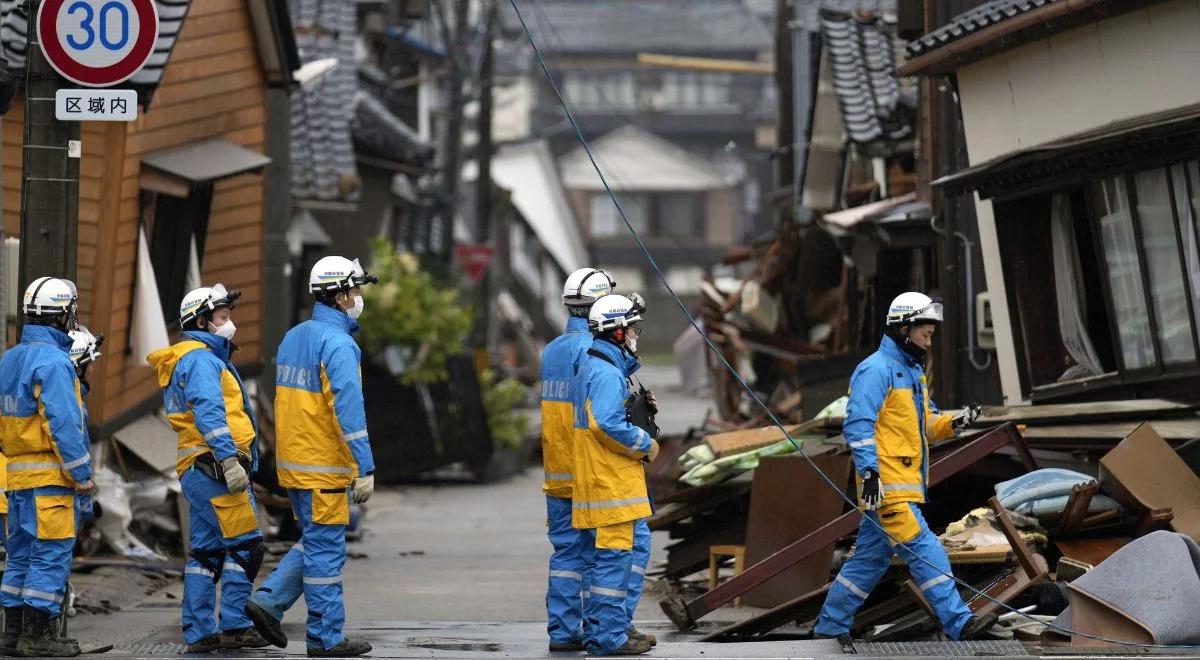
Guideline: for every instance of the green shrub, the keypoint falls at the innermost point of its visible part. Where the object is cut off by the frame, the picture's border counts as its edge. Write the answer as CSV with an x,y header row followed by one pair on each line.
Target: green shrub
x,y
501,399
410,310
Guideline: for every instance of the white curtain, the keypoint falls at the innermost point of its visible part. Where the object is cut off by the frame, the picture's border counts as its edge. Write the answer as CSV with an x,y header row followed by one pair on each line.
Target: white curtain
x,y
149,331
1069,288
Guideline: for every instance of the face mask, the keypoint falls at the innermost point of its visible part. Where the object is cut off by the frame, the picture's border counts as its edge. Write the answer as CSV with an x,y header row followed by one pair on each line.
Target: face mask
x,y
225,331
356,311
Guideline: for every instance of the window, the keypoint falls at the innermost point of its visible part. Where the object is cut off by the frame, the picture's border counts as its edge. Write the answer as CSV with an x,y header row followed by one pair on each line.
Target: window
x,y
1111,201
605,90
690,90
681,214
172,223
1168,291
606,222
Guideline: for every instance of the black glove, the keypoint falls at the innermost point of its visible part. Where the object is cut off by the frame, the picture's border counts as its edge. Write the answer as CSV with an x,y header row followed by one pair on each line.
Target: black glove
x,y
872,494
966,417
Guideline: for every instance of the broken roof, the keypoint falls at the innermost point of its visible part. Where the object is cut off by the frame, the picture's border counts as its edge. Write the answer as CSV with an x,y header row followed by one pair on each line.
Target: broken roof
x,y
633,159
661,26
862,58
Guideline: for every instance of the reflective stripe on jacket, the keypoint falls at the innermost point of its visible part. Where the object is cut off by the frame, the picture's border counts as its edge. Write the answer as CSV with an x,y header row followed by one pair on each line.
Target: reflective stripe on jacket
x,y
610,481
41,412
560,362
204,399
321,423
883,428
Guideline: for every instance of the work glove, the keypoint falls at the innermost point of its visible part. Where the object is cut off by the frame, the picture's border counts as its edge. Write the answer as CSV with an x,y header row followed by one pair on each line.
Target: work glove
x,y
653,453
364,487
236,479
652,401
86,487
872,494
966,417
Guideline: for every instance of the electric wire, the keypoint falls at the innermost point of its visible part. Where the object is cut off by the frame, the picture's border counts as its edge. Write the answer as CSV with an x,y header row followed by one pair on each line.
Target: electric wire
x,y
749,391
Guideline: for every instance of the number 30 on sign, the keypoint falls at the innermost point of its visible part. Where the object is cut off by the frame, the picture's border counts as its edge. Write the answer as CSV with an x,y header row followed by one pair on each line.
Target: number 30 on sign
x,y
97,43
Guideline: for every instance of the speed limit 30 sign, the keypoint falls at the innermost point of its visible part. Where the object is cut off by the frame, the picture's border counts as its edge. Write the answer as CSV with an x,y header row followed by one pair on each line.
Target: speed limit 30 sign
x,y
97,43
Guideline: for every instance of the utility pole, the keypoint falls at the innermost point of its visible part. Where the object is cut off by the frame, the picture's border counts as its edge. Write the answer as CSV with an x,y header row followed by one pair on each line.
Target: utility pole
x,y
456,34
50,178
785,135
483,193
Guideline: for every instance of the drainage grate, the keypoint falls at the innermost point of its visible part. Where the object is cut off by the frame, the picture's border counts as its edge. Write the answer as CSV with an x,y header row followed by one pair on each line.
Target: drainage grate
x,y
944,649
156,649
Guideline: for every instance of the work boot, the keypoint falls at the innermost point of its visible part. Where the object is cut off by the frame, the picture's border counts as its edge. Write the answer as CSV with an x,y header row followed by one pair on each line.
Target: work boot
x,y
566,647
242,638
634,633
12,631
630,647
344,649
266,625
844,639
977,627
39,638
206,645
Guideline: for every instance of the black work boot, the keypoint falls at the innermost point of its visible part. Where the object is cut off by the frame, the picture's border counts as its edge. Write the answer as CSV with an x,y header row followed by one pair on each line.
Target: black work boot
x,y
344,648
39,637
634,633
268,626
844,639
13,616
206,645
242,638
566,647
977,626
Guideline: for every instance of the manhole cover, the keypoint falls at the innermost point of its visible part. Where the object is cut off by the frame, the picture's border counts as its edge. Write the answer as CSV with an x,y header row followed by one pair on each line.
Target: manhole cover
x,y
945,649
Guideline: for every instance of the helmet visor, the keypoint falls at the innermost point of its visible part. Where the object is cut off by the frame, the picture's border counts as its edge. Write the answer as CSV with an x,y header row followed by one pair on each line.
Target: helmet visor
x,y
931,313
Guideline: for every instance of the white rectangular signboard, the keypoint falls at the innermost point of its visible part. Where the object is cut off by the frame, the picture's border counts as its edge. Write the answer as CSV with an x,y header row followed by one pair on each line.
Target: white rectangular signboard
x,y
95,105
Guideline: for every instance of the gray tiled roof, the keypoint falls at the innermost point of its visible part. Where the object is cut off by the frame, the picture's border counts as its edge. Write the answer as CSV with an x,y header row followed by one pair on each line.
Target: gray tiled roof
x,y
323,166
862,61
14,26
971,21
626,26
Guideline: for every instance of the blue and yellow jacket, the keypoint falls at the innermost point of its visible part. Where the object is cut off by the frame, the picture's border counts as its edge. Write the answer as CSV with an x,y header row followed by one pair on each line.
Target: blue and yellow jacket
x,y
560,362
205,400
319,415
610,481
883,427
41,416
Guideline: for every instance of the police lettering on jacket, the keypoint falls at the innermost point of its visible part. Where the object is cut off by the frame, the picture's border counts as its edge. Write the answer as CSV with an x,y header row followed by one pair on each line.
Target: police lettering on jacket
x,y
560,363
609,483
319,412
42,425
205,401
883,428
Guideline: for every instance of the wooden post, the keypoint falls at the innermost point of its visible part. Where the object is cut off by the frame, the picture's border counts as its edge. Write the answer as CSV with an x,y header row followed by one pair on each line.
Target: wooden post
x,y
483,192
50,178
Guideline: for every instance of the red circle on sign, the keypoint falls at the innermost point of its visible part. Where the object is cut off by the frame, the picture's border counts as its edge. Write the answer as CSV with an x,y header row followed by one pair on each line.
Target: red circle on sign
x,y
77,72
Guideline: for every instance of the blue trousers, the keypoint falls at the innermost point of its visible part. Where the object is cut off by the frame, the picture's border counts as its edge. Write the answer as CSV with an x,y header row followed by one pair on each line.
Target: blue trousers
x,y
208,525
608,566
564,604
637,569
313,567
872,556
41,542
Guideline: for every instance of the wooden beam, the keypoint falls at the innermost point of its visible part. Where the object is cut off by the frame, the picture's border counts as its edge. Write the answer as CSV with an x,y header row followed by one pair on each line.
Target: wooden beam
x,y
706,64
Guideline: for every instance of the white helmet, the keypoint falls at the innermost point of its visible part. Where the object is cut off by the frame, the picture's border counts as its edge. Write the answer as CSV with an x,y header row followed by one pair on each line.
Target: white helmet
x,y
50,296
612,312
85,347
204,301
913,308
585,286
332,274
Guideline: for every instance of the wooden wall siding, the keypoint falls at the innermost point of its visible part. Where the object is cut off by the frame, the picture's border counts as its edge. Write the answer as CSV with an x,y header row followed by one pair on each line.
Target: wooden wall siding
x,y
213,86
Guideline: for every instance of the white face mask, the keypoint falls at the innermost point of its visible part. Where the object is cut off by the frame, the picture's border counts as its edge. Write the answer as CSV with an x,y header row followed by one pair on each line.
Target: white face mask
x,y
226,330
356,311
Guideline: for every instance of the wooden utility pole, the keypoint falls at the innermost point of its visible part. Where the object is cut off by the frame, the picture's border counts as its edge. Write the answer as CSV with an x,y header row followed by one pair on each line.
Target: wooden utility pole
x,y
784,128
483,193
456,33
50,178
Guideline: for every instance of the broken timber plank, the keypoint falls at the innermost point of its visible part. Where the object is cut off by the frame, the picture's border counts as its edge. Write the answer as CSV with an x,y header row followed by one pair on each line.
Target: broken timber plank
x,y
1091,413
684,615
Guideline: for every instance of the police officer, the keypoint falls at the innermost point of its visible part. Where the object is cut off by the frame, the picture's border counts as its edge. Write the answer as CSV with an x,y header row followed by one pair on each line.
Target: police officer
x,y
890,422
609,493
560,362
323,450
207,406
46,445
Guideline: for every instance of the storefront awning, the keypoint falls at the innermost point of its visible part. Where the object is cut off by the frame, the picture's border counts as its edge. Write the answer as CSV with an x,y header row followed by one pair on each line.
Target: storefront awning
x,y
205,162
